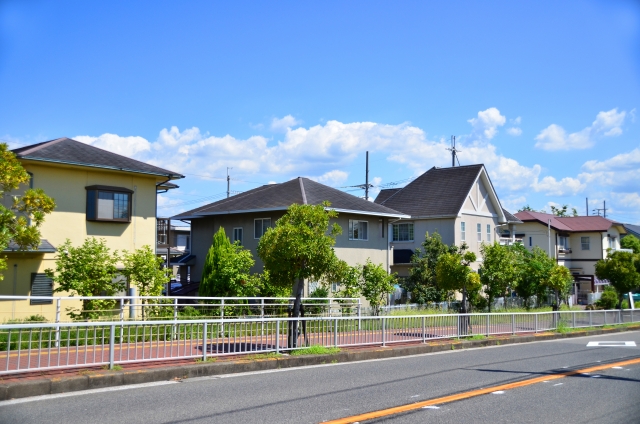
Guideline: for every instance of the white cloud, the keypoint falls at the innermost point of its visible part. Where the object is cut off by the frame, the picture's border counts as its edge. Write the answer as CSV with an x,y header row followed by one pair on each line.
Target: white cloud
x,y
513,203
618,162
606,124
332,178
552,187
630,200
514,131
516,121
128,146
284,123
487,123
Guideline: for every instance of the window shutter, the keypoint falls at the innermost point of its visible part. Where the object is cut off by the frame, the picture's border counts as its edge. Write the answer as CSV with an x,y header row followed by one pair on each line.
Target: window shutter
x,y
41,285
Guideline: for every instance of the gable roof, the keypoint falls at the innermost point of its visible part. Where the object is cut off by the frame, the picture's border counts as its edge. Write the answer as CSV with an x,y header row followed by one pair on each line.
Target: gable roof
x,y
439,192
570,223
67,151
512,219
274,197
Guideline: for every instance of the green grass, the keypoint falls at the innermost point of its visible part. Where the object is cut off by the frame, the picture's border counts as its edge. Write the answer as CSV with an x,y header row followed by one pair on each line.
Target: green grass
x,y
315,350
476,337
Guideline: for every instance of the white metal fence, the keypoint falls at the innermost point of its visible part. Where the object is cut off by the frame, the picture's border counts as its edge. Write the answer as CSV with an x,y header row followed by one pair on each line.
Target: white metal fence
x,y
142,308
47,346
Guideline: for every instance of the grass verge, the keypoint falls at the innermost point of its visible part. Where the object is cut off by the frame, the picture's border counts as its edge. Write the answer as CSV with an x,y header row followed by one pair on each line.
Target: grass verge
x,y
315,350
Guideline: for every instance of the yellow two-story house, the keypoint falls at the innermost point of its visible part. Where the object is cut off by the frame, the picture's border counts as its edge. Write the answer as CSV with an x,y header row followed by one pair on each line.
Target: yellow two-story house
x,y
98,194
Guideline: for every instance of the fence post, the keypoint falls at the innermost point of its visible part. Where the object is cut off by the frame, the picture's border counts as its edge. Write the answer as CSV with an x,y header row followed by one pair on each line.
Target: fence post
x,y
121,309
488,323
573,315
536,323
262,316
222,316
384,337
605,317
590,319
58,300
112,346
278,336
204,342
175,318
335,332
458,326
424,332
619,316
513,324
359,316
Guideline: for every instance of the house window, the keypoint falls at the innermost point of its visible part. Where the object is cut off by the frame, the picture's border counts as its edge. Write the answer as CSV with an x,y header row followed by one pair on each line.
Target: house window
x,y
182,242
403,232
41,285
260,226
358,230
489,233
237,234
563,243
585,242
479,230
463,232
530,241
106,203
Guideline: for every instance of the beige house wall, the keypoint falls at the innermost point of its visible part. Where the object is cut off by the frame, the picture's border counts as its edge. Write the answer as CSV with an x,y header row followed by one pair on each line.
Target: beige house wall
x,y
66,184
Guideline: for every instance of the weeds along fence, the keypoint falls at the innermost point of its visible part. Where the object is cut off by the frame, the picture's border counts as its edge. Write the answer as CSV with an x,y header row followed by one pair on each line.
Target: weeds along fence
x,y
45,346
15,309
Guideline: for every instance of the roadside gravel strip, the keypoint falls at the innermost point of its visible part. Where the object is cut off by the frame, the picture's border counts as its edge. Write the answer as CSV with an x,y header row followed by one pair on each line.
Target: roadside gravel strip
x,y
27,385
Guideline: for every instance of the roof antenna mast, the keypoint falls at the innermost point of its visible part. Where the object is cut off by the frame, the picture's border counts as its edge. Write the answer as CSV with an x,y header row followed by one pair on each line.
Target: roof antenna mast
x,y
454,151
228,182
366,179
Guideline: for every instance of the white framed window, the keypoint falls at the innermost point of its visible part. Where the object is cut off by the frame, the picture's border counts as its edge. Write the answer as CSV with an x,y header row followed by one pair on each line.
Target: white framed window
x,y
463,231
479,231
563,243
260,226
358,230
585,242
237,234
403,232
489,233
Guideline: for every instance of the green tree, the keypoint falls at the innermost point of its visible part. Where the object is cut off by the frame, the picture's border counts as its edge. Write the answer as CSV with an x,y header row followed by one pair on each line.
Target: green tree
x,y
20,222
559,281
527,208
534,270
87,270
143,269
348,279
226,270
300,246
563,212
452,272
622,269
630,242
608,298
498,272
376,284
422,282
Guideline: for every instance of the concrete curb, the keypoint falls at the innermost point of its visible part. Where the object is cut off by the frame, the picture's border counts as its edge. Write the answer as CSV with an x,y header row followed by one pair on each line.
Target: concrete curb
x,y
99,379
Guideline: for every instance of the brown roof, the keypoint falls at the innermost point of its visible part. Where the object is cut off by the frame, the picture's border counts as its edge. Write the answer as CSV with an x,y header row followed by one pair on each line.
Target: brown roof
x,y
570,223
72,152
280,196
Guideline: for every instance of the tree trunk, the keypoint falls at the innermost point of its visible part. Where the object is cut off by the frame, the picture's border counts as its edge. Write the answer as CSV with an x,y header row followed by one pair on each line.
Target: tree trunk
x,y
293,325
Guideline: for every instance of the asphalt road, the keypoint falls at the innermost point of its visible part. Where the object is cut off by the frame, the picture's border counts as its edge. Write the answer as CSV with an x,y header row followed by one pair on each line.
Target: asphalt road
x,y
332,391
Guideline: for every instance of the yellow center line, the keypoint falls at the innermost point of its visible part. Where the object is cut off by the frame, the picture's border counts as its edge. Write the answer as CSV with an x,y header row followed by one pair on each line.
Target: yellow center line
x,y
473,393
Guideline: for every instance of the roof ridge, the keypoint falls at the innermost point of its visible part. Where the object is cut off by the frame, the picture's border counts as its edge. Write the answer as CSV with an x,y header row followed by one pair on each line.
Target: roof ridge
x,y
234,198
304,195
38,146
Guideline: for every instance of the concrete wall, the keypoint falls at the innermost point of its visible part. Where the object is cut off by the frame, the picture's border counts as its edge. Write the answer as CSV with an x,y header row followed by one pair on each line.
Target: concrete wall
x,y
66,184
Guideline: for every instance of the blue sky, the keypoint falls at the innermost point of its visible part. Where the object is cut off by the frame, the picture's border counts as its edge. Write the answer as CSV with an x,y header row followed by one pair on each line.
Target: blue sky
x,y
544,93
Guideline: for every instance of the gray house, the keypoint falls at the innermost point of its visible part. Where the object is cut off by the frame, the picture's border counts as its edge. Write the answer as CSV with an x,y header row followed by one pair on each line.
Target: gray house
x,y
246,216
459,203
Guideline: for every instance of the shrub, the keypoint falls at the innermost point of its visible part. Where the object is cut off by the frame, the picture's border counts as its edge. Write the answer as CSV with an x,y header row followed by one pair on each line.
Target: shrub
x,y
609,298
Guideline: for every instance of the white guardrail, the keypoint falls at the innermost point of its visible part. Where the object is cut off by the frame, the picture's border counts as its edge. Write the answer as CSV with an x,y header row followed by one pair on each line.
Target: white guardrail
x,y
47,346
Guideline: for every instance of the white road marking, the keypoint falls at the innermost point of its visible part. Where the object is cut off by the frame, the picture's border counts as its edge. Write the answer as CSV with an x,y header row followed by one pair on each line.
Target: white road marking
x,y
85,392
415,396
431,407
617,368
596,376
498,392
558,384
611,344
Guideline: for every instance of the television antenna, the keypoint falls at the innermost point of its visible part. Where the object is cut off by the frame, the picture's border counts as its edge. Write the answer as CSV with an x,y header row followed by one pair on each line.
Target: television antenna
x,y
454,151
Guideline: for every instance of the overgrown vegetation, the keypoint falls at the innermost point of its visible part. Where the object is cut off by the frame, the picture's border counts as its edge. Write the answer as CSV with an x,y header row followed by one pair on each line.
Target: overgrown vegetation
x,y
315,350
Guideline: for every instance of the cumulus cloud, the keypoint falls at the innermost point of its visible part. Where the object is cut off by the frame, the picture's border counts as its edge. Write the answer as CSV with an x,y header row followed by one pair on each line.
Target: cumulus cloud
x,y
629,200
552,187
514,131
621,161
332,178
487,122
283,124
606,124
513,203
127,146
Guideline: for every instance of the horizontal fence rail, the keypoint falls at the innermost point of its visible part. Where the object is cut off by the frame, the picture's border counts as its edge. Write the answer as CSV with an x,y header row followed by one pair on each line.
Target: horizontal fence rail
x,y
47,346
142,308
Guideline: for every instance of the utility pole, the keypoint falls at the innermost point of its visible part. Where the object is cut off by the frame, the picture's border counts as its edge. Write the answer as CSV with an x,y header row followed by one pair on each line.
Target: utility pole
x,y
454,152
587,206
366,179
603,209
228,181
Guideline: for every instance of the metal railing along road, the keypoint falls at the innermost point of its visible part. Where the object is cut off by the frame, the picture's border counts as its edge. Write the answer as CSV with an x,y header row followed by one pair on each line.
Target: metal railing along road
x,y
47,346
133,308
